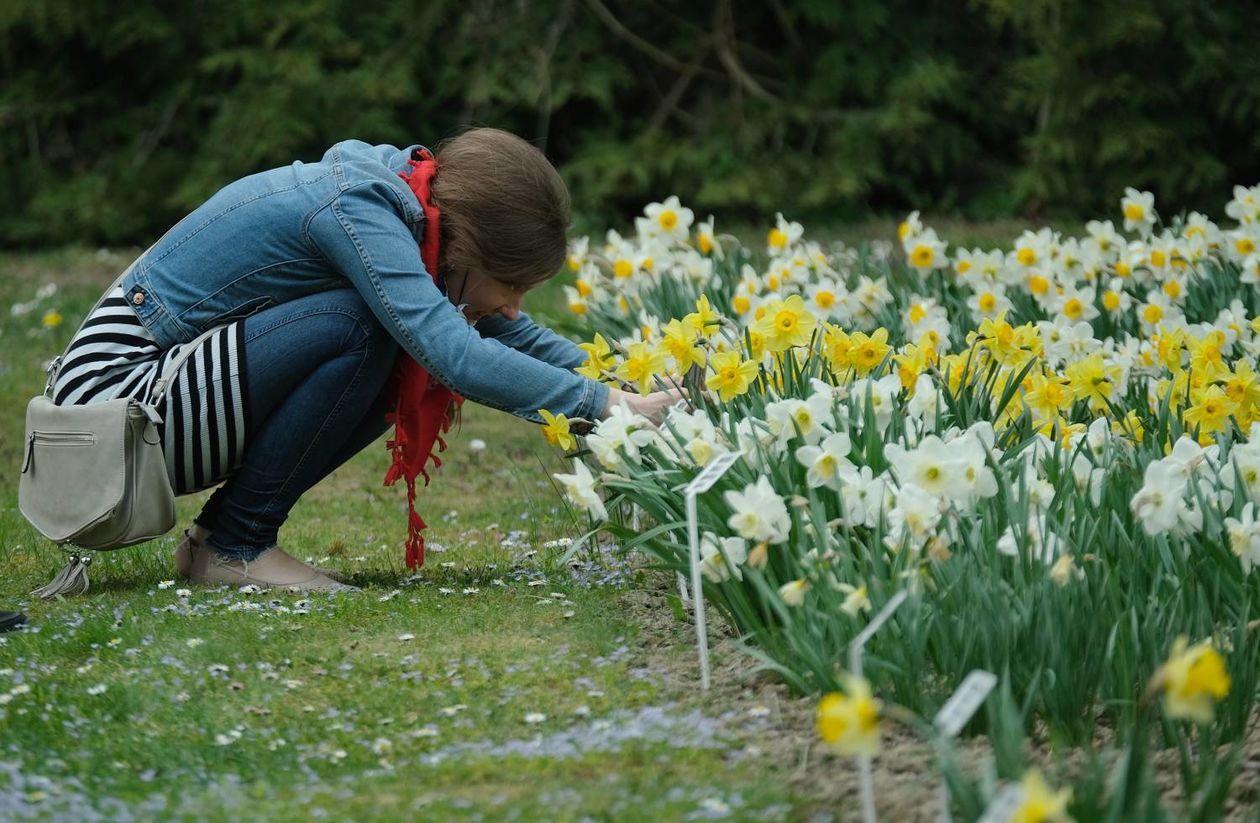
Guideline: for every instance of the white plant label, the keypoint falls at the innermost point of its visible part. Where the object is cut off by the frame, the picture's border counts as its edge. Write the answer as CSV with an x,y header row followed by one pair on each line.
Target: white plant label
x,y
703,482
1004,806
711,472
964,702
855,668
855,647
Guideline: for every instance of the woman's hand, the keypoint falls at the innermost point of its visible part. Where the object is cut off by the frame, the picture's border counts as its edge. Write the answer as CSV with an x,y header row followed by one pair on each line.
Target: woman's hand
x,y
652,406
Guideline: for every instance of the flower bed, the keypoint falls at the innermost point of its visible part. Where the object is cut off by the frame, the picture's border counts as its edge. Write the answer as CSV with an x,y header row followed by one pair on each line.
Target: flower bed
x,y
1055,448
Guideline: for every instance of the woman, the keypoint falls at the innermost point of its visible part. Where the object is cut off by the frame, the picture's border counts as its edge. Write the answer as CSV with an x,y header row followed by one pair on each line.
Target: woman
x,y
329,321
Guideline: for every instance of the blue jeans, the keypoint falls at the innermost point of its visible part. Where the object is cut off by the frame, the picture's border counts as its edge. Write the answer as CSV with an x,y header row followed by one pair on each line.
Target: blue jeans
x,y
317,372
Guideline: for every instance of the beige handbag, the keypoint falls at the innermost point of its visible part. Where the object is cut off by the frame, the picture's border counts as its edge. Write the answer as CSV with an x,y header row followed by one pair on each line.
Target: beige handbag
x,y
94,475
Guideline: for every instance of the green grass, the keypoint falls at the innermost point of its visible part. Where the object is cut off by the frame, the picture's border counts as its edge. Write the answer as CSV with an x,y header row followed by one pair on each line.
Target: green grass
x,y
222,705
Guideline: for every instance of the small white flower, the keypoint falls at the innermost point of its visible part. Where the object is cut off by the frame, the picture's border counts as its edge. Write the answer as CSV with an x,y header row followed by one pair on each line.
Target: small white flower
x,y
97,690
476,445
535,717
183,593
166,584
405,637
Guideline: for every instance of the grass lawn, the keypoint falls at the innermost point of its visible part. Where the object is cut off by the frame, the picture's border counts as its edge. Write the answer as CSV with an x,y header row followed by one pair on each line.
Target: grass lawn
x,y
498,683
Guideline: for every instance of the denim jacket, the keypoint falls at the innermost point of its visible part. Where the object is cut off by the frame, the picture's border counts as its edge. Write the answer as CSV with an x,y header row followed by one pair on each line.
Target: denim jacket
x,y
348,220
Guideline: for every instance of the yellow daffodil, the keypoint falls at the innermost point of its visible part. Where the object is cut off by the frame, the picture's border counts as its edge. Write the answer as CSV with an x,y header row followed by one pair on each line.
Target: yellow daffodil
x,y
1094,380
912,362
1039,804
643,362
848,722
1243,387
836,346
704,318
1193,680
867,352
785,323
678,340
1210,414
599,358
730,374
1048,396
556,429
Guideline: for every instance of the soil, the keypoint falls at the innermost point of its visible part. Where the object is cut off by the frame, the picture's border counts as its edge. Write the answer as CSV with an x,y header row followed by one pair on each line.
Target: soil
x,y
905,775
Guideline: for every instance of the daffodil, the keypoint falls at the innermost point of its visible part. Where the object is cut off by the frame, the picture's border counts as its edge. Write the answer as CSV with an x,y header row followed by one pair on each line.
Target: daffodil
x,y
1193,679
643,362
1038,803
678,341
599,358
848,721
580,488
867,352
52,319
1048,396
556,429
730,374
1093,379
793,592
785,323
704,319
1210,413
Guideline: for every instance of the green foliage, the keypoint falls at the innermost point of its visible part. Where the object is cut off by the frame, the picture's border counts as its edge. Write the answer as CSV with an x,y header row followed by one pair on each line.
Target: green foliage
x,y
118,120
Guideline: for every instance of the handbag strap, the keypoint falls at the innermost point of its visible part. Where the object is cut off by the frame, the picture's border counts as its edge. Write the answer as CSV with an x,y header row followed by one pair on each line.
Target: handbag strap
x,y
172,368
159,385
54,367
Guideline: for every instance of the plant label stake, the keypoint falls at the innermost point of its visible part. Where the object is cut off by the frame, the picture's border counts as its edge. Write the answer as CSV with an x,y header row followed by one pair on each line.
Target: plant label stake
x,y
701,484
855,668
960,707
855,647
1004,805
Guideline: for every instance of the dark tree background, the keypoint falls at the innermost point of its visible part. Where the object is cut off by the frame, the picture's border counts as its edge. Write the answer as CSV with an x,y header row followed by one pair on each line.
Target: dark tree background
x,y
117,118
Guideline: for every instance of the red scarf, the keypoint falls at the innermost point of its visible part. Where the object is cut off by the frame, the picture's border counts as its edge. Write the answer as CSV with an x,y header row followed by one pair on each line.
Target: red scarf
x,y
424,407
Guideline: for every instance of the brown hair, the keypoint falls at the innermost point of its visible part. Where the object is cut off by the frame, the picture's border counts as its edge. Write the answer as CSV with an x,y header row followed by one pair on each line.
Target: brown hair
x,y
504,208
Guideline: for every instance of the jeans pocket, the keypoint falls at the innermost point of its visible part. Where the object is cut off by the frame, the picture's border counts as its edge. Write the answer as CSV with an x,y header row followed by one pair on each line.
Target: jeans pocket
x,y
251,306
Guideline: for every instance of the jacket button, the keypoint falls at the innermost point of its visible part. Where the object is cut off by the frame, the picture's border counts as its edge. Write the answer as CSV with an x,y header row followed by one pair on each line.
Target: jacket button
x,y
138,298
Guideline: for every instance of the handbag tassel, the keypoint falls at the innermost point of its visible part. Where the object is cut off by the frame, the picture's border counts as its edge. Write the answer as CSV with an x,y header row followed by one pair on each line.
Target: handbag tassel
x,y
71,580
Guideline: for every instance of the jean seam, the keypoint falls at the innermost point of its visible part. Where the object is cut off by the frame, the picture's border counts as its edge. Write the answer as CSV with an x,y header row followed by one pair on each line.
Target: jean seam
x,y
275,324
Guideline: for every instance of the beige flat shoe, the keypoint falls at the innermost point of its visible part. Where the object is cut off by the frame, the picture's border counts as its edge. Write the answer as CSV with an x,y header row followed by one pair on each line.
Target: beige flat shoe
x,y
194,543
274,568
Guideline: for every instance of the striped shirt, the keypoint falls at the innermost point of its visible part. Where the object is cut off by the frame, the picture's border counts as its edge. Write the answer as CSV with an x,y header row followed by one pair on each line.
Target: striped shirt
x,y
205,410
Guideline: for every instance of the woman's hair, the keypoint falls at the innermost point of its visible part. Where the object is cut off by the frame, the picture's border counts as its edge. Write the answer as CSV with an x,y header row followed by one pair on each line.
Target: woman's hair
x,y
504,208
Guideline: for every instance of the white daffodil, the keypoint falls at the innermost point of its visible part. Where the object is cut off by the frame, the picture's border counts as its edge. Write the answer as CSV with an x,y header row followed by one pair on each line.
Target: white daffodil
x,y
759,514
580,488
1244,537
1041,543
620,435
1139,211
712,563
913,518
1159,504
932,466
808,417
828,463
793,593
883,393
669,221
925,251
863,496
